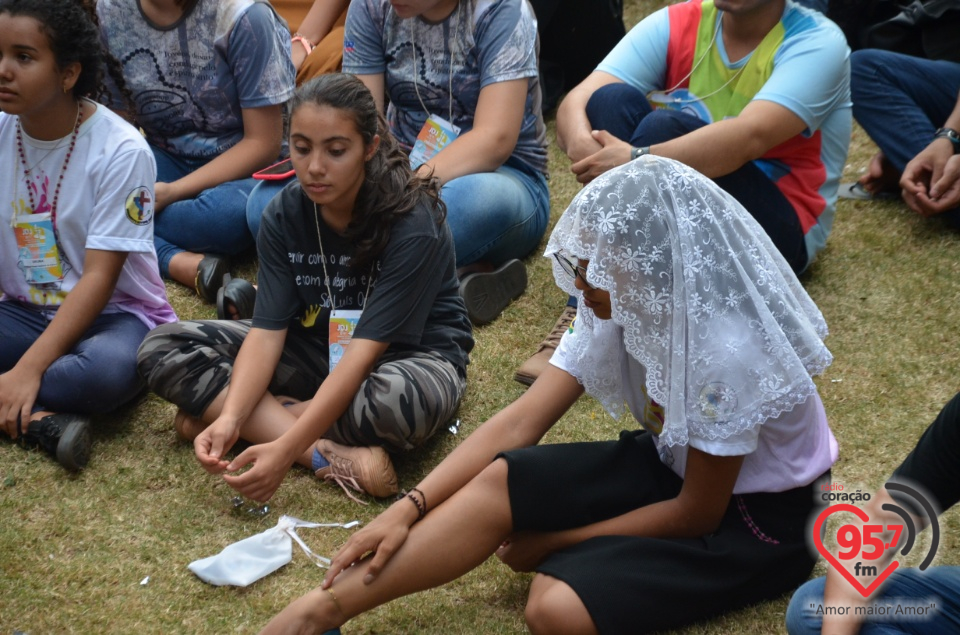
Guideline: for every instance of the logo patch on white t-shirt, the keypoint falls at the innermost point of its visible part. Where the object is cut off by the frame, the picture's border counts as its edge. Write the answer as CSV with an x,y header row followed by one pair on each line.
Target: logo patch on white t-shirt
x,y
139,205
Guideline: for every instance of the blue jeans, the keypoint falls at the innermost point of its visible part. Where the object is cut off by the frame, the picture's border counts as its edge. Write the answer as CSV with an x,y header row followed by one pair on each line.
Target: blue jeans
x,y
214,221
937,584
624,112
496,216
901,100
98,375
262,194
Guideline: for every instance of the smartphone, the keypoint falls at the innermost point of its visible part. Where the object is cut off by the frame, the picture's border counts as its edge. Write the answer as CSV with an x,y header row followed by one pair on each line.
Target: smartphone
x,y
276,172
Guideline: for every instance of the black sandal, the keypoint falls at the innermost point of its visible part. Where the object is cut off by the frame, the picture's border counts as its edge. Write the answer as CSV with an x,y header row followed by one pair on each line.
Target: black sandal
x,y
210,272
241,294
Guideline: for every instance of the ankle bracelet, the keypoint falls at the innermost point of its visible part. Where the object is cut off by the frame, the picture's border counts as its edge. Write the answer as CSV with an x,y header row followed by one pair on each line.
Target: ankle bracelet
x,y
336,602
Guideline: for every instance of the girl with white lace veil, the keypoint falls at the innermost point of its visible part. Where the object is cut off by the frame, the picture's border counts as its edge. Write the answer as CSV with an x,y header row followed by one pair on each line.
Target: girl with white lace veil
x,y
689,316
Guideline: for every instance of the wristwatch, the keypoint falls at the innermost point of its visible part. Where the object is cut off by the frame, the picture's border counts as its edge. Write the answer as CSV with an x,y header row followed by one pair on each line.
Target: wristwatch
x,y
639,152
952,135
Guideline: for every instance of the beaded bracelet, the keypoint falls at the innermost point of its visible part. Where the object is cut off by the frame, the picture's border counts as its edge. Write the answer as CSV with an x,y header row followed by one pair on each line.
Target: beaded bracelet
x,y
304,42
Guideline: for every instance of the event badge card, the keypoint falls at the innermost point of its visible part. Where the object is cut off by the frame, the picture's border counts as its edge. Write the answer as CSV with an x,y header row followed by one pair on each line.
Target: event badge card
x,y
435,135
342,326
37,250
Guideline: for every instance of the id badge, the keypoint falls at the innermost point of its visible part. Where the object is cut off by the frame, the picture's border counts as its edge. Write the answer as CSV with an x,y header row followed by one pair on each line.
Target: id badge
x,y
436,134
342,325
37,252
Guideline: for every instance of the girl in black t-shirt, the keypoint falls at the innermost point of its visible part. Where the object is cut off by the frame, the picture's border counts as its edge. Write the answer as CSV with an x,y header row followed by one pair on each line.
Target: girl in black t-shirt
x,y
358,231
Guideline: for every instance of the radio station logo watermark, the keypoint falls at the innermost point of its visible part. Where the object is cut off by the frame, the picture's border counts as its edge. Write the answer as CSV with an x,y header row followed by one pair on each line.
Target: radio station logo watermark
x,y
867,548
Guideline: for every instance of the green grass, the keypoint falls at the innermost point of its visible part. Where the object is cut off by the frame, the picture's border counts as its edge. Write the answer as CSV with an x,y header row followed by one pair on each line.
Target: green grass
x,y
74,549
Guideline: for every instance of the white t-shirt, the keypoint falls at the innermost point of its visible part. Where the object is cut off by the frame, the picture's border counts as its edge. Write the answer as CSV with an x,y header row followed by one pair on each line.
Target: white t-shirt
x,y
781,454
105,203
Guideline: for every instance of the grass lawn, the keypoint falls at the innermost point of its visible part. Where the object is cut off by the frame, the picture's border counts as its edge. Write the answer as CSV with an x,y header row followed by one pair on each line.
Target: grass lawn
x,y
106,551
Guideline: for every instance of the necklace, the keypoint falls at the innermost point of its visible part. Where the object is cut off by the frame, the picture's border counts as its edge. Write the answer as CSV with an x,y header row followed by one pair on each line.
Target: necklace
x,y
713,40
28,170
323,263
416,84
63,168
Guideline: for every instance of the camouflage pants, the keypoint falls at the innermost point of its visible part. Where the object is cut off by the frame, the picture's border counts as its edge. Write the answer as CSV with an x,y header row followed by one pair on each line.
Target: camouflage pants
x,y
403,401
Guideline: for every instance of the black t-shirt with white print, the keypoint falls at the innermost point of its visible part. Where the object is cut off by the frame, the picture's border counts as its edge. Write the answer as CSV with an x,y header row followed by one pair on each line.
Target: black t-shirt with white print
x,y
413,304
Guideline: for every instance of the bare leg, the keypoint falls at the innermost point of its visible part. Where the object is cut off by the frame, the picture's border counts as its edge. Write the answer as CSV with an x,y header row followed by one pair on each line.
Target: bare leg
x,y
190,427
452,539
183,268
554,608
268,421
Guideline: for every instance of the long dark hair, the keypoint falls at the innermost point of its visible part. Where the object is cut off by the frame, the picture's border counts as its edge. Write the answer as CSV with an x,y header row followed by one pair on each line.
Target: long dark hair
x,y
390,188
72,29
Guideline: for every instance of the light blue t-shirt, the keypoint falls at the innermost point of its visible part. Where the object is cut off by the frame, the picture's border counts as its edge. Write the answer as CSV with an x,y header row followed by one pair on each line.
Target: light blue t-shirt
x,y
481,43
191,80
810,76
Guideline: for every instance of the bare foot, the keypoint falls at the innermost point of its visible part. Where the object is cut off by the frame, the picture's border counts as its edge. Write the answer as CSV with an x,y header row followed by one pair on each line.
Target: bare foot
x,y
314,613
881,176
187,426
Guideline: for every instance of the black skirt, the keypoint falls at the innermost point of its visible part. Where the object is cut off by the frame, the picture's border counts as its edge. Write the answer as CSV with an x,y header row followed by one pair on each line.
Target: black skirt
x,y
635,585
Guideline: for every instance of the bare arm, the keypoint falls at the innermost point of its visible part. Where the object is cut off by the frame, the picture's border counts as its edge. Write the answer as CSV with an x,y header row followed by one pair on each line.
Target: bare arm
x,y
252,371
375,85
262,136
20,385
493,138
522,423
715,150
573,128
727,145
491,141
273,460
316,25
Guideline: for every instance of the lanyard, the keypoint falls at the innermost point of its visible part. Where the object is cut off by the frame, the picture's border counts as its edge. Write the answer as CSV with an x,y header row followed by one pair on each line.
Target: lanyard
x,y
323,262
713,40
416,84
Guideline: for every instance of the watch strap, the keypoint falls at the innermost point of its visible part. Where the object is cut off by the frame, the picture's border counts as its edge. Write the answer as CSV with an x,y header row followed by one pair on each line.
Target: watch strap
x,y
951,135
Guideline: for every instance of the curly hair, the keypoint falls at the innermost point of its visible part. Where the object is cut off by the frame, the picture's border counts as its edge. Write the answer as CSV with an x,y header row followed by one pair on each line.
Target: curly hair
x,y
72,29
390,188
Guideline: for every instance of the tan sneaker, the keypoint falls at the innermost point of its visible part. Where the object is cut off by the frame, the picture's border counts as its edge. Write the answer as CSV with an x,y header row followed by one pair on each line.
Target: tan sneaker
x,y
531,369
364,469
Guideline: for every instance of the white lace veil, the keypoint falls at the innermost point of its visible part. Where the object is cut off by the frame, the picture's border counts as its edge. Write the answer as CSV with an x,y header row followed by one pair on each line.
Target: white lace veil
x,y
699,295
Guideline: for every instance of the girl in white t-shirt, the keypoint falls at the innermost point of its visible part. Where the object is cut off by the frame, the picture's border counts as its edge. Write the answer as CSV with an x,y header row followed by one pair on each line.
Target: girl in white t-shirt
x,y
690,317
77,266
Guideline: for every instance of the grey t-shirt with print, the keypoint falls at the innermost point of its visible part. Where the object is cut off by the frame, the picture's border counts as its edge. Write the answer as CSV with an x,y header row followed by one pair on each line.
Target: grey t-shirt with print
x,y
190,80
482,42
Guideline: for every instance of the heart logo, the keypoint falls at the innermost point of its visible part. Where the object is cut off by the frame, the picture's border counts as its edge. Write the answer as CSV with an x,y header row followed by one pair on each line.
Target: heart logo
x,y
818,542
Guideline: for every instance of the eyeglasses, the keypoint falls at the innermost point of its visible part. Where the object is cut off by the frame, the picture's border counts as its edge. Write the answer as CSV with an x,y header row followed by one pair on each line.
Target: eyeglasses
x,y
572,269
